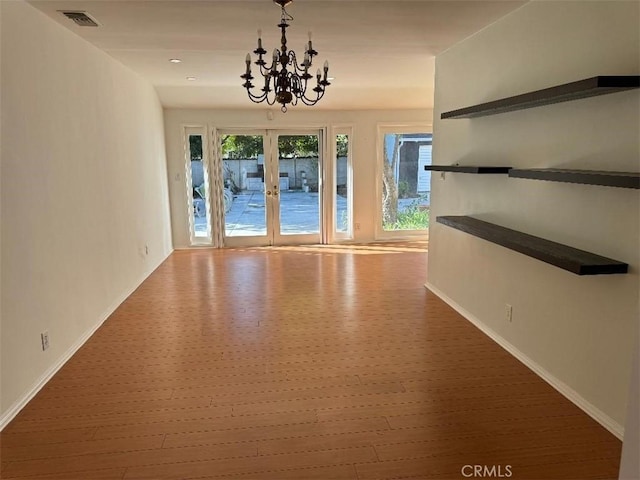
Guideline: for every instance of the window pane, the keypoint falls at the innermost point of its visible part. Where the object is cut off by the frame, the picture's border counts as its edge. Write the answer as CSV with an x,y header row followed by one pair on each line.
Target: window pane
x,y
342,213
405,184
199,196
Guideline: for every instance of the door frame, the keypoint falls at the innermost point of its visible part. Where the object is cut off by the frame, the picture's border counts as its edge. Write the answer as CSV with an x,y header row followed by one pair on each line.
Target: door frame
x,y
277,237
271,172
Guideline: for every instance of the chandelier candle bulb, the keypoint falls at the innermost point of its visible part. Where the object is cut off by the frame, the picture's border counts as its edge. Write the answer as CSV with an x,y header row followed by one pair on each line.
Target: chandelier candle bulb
x,y
259,39
248,61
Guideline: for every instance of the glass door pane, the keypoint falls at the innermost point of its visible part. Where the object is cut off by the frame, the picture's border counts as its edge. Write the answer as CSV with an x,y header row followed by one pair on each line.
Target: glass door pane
x,y
272,187
298,183
243,161
197,176
199,194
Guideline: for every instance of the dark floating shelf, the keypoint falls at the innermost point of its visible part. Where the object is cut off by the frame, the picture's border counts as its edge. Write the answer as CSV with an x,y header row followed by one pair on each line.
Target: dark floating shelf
x,y
589,87
588,177
463,169
563,256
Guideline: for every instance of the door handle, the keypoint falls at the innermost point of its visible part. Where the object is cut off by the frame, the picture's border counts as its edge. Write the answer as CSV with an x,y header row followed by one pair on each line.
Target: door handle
x,y
275,190
268,193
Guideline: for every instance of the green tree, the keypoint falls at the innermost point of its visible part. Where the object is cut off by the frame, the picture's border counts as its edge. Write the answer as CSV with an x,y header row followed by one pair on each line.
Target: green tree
x,y
241,146
298,146
389,186
195,147
250,146
342,145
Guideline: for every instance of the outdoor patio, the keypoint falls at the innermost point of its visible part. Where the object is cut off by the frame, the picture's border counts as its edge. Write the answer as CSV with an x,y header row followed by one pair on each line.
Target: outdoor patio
x,y
299,213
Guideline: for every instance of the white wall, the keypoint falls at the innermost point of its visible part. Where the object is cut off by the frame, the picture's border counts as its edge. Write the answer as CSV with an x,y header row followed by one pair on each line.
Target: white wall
x,y
578,331
84,189
1,118
365,126
630,460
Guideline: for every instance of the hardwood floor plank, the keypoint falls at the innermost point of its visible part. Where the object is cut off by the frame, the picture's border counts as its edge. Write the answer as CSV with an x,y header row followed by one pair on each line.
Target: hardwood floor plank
x,y
296,363
423,468
293,430
17,439
542,416
220,423
70,449
338,472
68,408
124,418
309,441
71,397
114,384
255,464
326,402
229,398
267,387
139,458
104,474
492,445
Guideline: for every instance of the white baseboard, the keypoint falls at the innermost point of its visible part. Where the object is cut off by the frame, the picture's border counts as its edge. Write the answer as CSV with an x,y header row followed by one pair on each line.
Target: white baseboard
x,y
51,371
598,415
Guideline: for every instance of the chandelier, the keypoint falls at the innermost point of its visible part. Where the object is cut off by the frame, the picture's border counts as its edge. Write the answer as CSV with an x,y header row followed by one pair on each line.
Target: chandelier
x,y
286,81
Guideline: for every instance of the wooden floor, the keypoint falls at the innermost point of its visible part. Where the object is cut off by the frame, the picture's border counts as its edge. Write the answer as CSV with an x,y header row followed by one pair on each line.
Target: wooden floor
x,y
298,363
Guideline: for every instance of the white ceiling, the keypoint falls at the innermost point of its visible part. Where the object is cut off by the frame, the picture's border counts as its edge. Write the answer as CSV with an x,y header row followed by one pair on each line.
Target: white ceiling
x,y
381,53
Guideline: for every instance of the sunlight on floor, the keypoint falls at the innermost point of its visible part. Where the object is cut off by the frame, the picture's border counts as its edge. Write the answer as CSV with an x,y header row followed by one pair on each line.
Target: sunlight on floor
x,y
357,249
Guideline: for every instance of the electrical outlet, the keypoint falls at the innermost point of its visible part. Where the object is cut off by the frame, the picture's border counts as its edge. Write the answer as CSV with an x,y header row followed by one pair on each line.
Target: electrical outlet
x,y
44,338
508,312
357,226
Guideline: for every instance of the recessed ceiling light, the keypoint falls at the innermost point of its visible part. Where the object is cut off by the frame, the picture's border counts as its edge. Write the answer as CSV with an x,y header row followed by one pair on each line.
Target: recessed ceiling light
x,y
191,79
331,78
175,60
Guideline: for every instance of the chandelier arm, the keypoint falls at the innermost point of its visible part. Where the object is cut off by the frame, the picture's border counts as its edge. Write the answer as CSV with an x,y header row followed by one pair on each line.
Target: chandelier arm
x,y
311,101
293,61
272,67
266,71
256,99
301,83
260,98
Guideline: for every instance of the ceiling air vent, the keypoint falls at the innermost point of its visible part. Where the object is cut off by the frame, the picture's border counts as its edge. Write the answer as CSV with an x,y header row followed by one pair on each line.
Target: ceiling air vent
x,y
80,18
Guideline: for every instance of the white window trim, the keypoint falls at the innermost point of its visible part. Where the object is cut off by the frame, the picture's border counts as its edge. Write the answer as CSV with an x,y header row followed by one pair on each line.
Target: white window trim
x,y
334,235
382,129
201,130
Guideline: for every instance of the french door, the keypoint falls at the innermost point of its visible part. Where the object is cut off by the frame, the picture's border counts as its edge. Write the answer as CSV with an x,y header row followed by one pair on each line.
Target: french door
x,y
273,187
